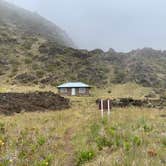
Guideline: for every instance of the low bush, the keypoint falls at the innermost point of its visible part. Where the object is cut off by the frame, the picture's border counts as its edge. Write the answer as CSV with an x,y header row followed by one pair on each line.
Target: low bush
x,y
126,145
163,140
136,140
85,156
2,128
45,162
40,73
27,61
41,140
103,142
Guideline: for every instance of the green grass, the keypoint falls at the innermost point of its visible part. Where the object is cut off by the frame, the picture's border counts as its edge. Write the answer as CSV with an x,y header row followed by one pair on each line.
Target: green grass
x,y
123,90
78,136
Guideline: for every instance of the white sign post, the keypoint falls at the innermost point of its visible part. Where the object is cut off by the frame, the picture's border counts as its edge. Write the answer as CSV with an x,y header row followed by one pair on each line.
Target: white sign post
x,y
108,103
102,109
105,105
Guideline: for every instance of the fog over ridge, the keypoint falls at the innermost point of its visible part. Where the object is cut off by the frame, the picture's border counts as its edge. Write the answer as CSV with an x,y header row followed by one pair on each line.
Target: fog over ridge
x,y
120,24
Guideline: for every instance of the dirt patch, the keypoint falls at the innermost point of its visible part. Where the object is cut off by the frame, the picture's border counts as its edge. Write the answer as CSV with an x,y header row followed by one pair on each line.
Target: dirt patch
x,y
29,102
69,147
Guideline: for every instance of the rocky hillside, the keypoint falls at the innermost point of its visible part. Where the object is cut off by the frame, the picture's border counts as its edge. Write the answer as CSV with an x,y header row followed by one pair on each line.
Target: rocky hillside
x,y
35,51
25,23
144,66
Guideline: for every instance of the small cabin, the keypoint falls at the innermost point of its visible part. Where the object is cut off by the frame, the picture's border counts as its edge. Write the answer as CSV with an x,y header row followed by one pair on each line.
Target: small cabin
x,y
74,89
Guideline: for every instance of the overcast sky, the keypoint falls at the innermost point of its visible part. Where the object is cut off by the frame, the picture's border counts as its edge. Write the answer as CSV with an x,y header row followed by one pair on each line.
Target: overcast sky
x,y
119,24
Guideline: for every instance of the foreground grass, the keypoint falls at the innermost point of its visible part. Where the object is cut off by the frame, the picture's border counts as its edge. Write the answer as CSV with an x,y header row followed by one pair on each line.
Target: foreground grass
x,y
78,136
130,136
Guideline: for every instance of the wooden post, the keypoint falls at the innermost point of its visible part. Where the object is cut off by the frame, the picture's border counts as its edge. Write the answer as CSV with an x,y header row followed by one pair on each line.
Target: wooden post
x,y
102,109
108,103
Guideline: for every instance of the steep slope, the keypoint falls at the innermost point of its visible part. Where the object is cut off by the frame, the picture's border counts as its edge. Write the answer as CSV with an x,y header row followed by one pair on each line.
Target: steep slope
x,y
33,50
27,23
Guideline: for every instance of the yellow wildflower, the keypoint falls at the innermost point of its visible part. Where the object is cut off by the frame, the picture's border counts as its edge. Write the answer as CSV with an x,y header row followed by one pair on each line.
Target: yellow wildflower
x,y
1,143
10,160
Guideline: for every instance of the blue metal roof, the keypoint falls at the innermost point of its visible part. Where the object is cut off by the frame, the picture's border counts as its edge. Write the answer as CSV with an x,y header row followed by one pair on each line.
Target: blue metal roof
x,y
74,85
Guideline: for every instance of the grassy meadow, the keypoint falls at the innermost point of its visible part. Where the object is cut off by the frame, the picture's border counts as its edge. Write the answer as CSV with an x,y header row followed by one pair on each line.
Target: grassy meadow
x,y
78,136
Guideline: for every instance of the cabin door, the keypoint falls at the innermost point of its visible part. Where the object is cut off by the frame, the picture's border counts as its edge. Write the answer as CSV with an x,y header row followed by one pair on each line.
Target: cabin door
x,y
73,91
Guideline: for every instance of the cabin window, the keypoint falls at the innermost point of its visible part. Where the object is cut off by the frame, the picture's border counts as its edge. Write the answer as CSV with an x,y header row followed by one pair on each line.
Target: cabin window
x,y
63,90
82,90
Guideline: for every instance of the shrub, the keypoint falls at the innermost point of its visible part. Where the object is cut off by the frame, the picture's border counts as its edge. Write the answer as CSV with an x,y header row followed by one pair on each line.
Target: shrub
x,y
163,140
40,73
126,145
111,131
103,142
41,140
109,91
84,156
50,68
136,140
147,128
35,66
46,162
27,61
15,69
27,44
2,128
5,162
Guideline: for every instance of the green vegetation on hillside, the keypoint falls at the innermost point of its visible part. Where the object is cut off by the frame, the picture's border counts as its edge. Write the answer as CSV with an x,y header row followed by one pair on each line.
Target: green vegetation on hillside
x,y
45,62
